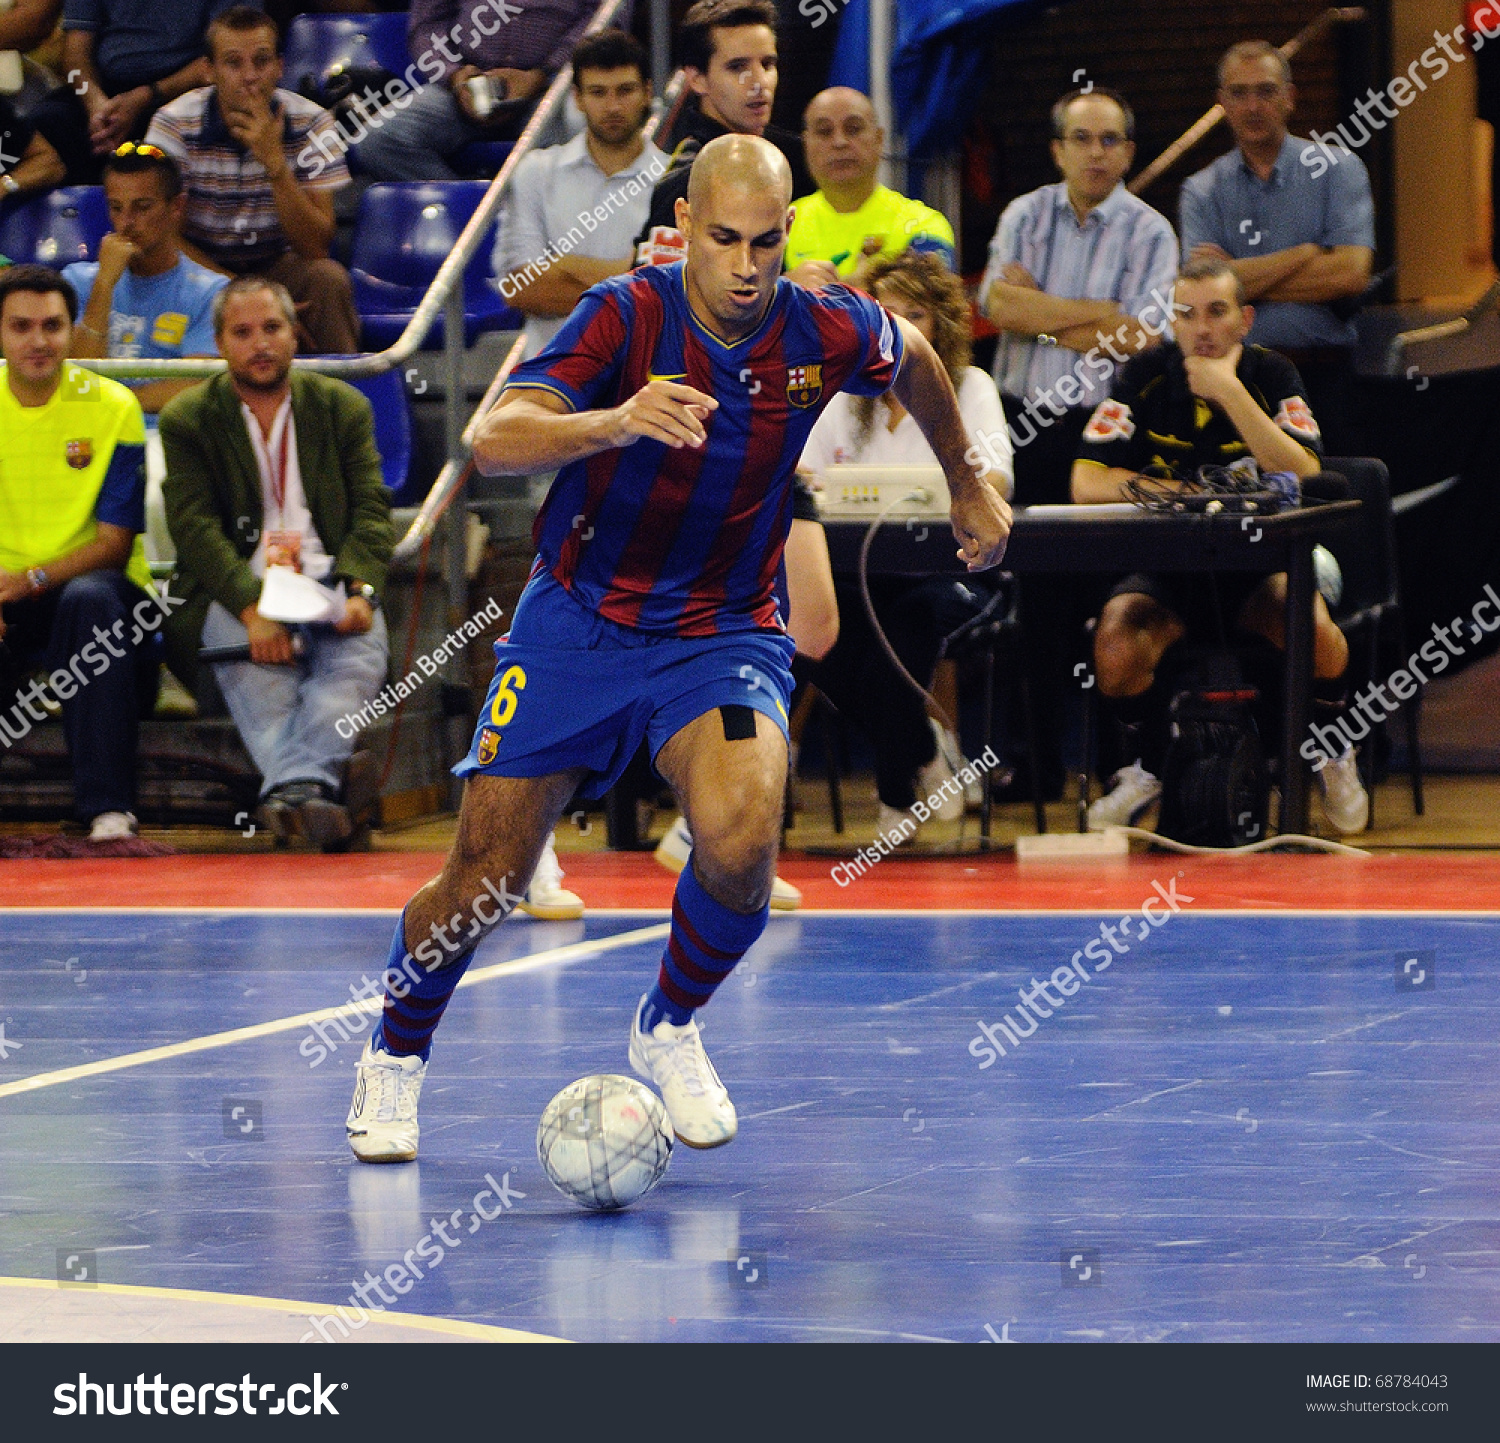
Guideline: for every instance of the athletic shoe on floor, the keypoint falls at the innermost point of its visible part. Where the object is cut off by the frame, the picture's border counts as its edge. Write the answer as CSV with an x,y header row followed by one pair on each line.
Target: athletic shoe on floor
x,y
326,823
1344,799
942,768
888,821
696,1101
546,897
382,1122
112,826
1132,790
673,850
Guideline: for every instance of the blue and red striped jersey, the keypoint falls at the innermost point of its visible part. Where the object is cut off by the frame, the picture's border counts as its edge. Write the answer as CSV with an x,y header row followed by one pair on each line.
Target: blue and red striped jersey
x,y
688,542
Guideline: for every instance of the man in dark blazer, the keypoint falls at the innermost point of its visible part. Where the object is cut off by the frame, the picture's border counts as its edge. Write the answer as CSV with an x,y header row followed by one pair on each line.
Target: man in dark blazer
x,y
271,467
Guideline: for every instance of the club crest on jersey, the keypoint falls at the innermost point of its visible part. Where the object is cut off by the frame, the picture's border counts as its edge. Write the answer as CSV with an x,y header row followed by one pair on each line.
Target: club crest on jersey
x,y
1111,421
489,744
81,454
1296,416
804,385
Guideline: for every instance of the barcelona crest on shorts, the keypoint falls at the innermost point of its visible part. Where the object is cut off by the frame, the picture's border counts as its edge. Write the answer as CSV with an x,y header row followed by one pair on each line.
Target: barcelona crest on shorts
x,y
81,454
489,744
804,385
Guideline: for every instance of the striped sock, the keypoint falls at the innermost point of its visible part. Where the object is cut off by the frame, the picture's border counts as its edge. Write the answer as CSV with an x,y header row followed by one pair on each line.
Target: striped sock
x,y
707,940
413,1010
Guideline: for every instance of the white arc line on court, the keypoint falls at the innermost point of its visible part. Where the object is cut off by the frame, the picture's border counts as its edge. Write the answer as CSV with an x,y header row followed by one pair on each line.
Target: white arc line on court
x,y
214,1040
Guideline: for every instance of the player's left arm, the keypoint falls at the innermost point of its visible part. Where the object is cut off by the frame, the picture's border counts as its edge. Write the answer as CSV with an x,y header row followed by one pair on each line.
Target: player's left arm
x,y
1217,381
981,518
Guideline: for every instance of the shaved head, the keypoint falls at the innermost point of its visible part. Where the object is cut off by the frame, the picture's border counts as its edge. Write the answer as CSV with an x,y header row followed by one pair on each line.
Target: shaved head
x,y
838,100
744,162
842,141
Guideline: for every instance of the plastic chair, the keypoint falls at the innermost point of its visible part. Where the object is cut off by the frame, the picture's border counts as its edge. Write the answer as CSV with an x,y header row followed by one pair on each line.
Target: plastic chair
x,y
320,46
56,228
387,396
403,233
1370,607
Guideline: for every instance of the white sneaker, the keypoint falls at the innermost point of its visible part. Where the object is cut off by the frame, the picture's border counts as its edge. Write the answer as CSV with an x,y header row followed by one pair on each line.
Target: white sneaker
x,y
546,897
944,767
1344,799
888,824
1132,790
673,1058
112,826
382,1121
674,849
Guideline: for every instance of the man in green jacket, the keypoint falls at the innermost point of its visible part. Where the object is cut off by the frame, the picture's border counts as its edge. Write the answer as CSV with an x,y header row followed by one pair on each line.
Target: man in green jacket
x,y
266,466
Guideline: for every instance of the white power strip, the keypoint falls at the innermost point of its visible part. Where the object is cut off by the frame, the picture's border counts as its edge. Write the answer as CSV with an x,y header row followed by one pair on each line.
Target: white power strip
x,y
1072,846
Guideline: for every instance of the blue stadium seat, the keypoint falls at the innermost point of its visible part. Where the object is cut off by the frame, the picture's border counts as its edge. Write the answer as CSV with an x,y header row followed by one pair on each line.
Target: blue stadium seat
x,y
403,233
482,157
386,394
319,45
57,228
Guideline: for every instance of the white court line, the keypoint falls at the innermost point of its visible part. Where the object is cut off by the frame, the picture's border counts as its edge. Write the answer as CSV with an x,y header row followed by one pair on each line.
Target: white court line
x,y
213,1040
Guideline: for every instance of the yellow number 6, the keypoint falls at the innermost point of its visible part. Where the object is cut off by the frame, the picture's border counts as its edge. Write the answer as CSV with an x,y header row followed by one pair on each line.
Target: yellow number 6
x,y
504,707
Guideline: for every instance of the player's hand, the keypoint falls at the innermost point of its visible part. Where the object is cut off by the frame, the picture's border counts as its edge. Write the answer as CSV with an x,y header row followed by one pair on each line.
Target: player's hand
x,y
1212,378
358,617
1013,273
814,274
115,253
981,523
663,411
270,641
1208,251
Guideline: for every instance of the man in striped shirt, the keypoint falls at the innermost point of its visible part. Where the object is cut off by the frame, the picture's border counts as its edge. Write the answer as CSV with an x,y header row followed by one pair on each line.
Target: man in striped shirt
x,y
259,187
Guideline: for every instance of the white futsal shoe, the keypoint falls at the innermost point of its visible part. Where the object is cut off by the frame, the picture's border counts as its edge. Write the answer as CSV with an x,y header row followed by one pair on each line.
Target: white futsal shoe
x,y
674,849
1344,798
382,1121
697,1102
546,897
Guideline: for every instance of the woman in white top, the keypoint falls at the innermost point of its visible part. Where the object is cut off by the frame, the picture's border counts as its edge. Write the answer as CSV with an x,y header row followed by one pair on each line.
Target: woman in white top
x,y
915,614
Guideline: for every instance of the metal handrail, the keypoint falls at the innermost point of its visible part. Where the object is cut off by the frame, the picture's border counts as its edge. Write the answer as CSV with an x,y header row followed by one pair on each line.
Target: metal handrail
x,y
444,283
454,475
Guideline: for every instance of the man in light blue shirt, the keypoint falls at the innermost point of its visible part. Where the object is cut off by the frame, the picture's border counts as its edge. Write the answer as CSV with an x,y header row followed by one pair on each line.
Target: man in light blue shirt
x,y
1296,222
1079,279
144,299
572,211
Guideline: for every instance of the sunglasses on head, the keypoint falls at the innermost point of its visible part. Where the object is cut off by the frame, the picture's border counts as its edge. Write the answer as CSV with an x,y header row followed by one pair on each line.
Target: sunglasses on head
x,y
151,152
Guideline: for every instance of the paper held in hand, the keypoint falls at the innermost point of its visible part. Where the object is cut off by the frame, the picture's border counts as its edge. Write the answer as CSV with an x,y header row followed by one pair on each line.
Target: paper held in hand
x,y
290,597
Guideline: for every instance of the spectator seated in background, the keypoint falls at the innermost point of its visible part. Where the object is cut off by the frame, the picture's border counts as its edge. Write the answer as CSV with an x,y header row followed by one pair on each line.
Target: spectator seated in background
x,y
259,191
28,162
850,221
728,50
512,52
271,467
1311,240
913,754
73,580
1205,399
144,299
544,257
124,59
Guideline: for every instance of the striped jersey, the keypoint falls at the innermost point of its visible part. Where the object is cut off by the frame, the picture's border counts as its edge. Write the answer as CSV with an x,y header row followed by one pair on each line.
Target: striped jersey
x,y
688,542
231,210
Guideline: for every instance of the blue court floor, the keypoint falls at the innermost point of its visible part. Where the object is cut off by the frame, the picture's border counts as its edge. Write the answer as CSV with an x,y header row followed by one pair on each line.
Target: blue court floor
x,y
1248,1127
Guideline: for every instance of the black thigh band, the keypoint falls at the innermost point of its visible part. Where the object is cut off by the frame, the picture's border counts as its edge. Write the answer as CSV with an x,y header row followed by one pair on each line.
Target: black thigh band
x,y
739,723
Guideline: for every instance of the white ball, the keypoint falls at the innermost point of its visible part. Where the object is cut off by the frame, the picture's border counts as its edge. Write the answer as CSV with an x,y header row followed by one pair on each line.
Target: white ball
x,y
605,1141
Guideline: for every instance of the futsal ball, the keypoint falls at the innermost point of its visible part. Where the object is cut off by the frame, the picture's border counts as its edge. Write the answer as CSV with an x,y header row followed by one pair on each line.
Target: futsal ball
x,y
605,1141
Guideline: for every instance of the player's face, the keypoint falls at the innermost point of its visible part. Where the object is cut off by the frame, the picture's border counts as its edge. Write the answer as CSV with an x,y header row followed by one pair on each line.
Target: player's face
x,y
842,141
1093,154
614,103
1208,320
740,83
256,341
245,66
909,310
140,213
735,244
1257,101
34,335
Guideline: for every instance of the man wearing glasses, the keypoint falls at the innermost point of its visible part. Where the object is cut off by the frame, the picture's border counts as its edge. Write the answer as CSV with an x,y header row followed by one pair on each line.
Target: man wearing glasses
x,y
1299,235
1079,279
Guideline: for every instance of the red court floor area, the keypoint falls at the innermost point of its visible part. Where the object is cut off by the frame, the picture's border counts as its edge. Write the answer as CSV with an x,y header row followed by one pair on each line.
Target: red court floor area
x,y
1406,882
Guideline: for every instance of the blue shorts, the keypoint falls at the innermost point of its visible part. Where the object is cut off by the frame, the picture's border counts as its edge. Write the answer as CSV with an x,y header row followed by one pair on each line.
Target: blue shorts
x,y
572,689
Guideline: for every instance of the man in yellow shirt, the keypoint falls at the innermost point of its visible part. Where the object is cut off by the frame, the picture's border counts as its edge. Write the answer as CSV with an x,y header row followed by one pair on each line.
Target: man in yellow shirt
x,y
850,222
73,578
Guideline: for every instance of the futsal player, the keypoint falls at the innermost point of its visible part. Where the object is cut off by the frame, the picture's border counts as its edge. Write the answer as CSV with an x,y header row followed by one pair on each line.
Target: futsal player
x,y
673,405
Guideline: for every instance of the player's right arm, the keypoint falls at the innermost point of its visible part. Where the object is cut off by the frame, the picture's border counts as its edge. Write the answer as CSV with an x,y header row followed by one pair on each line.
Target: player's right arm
x,y
534,429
